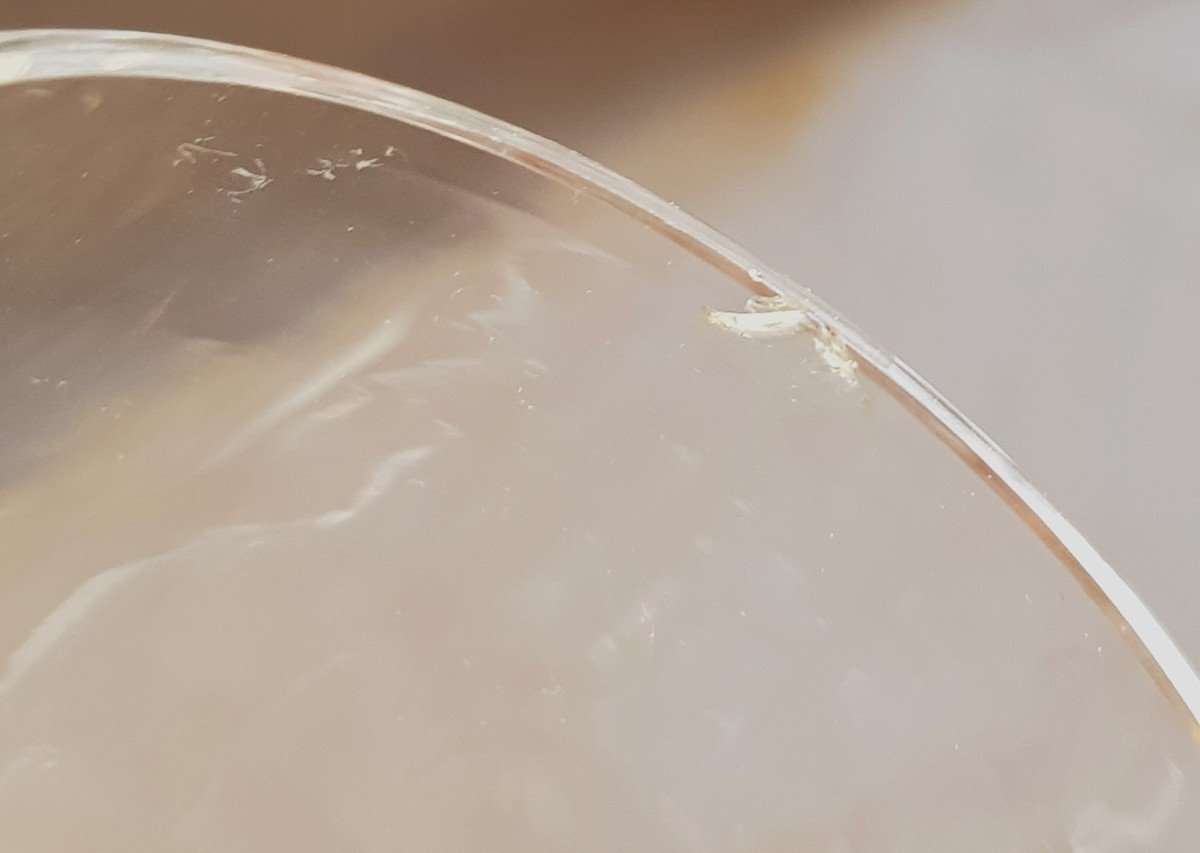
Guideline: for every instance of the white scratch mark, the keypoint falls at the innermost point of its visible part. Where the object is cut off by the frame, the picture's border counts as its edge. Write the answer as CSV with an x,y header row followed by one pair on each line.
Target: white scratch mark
x,y
255,181
371,348
513,307
637,626
186,151
730,728
14,66
31,757
741,505
156,312
326,169
59,622
1100,828
648,619
84,599
448,429
756,275
535,367
685,454
340,409
332,412
778,317
206,549
764,317
836,355
431,373
380,481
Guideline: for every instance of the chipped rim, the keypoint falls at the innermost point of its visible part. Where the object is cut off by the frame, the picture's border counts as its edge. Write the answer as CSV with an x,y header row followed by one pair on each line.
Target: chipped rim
x,y
27,55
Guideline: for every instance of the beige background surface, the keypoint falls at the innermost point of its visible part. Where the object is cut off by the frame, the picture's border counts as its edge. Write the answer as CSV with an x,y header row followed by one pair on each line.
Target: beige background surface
x,y
1005,195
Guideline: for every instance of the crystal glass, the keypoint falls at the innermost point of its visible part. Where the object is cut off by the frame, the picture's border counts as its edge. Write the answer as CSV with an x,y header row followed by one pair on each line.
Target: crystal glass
x,y
375,475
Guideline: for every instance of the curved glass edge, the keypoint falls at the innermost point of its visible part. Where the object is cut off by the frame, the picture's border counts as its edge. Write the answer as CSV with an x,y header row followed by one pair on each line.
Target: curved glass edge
x,y
28,55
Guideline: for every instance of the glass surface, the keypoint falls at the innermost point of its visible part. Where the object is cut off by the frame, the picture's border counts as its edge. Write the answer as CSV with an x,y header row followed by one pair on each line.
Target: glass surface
x,y
376,476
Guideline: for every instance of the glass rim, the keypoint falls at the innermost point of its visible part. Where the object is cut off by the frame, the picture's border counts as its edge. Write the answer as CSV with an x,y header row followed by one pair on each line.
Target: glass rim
x,y
48,54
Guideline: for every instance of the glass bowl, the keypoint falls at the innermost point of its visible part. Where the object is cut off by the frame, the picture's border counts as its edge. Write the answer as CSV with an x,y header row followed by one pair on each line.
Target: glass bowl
x,y
375,475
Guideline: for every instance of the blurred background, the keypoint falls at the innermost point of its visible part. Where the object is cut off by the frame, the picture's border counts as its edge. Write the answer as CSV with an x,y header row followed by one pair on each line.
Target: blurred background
x,y
1006,195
